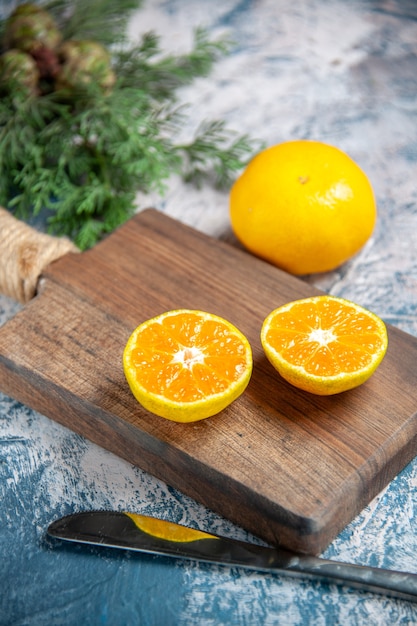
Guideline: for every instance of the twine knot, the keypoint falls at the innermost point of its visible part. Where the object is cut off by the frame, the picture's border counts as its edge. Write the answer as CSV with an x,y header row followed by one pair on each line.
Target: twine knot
x,y
24,254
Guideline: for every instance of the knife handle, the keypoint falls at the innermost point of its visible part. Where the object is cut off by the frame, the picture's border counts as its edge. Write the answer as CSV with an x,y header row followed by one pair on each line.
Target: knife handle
x,y
391,583
24,254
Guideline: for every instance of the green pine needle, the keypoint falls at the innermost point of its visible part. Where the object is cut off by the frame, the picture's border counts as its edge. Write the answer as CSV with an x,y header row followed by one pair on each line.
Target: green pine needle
x,y
215,151
101,20
137,67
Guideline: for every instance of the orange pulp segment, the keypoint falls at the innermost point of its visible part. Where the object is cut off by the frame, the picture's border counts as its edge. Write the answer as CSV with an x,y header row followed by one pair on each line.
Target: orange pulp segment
x,y
324,344
187,365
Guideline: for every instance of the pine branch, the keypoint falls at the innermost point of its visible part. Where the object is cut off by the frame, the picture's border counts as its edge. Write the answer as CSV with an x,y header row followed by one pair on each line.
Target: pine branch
x,y
136,66
80,153
88,170
104,21
215,151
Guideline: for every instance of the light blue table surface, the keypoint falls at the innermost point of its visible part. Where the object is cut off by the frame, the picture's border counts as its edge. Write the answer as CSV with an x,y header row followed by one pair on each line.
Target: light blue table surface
x,y
344,72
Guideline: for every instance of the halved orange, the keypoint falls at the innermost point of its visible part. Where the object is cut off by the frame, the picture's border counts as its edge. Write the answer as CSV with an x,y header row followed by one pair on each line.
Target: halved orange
x,y
187,365
324,344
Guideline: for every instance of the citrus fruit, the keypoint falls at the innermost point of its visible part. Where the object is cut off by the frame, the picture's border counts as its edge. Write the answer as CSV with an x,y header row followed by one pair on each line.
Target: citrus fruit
x,y
304,206
187,365
324,344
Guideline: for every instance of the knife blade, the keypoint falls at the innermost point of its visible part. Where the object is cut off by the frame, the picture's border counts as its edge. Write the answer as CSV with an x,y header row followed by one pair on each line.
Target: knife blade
x,y
141,533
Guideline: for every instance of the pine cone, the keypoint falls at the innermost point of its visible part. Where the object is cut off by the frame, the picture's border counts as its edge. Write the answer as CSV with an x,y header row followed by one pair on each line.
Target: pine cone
x,y
84,63
18,73
30,27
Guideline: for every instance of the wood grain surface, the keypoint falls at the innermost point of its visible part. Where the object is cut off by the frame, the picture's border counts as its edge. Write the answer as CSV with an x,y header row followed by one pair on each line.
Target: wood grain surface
x,y
290,467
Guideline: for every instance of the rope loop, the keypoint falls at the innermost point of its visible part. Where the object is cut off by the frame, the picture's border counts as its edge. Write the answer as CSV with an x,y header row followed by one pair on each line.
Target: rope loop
x,y
24,254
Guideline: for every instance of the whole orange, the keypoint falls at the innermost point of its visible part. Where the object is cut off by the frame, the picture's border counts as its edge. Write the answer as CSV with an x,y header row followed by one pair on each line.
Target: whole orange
x,y
304,206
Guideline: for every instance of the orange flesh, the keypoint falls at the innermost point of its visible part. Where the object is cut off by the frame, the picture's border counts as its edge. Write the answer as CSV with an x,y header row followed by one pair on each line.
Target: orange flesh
x,y
325,338
186,358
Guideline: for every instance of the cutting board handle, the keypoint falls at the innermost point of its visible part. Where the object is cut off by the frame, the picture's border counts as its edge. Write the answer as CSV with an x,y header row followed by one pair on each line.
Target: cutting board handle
x,y
24,254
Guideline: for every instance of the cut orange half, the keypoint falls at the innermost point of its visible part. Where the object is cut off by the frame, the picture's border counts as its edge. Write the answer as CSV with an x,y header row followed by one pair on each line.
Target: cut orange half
x,y
324,344
187,365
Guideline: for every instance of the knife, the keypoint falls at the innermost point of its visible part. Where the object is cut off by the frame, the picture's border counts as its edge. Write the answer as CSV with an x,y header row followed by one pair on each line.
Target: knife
x,y
131,531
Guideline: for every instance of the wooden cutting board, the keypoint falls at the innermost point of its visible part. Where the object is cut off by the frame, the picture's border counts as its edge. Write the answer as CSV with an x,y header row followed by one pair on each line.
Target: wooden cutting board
x,y
290,467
